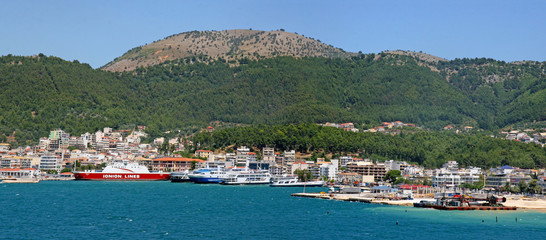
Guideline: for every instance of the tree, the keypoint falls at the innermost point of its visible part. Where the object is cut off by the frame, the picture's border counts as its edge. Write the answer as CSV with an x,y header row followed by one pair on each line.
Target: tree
x,y
303,174
193,164
522,186
66,170
392,175
507,187
532,188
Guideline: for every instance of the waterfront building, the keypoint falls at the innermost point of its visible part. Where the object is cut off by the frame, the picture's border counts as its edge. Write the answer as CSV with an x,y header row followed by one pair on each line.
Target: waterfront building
x,y
378,171
499,180
242,156
314,168
446,180
349,177
298,166
256,165
279,159
18,173
268,154
251,157
232,158
50,162
329,169
289,157
174,164
5,162
276,169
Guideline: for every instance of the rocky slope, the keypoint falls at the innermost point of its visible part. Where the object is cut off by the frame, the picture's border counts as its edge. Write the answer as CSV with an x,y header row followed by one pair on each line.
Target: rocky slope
x,y
228,45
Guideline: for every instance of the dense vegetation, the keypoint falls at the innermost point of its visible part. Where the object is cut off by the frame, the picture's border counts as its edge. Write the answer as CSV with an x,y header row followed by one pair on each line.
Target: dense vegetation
x,y
428,148
42,93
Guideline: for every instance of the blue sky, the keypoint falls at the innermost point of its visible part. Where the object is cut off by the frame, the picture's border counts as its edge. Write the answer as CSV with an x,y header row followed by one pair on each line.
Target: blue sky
x,y
98,31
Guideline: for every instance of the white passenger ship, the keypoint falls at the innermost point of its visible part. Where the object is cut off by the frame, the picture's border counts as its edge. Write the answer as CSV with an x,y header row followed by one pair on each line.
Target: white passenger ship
x,y
292,181
246,176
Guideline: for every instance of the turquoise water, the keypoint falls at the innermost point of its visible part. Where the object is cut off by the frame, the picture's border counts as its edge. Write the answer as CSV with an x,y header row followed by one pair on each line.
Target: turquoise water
x,y
164,210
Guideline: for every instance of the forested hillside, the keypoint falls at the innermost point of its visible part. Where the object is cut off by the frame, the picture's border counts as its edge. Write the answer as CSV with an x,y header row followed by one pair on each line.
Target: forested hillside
x,y
429,149
42,93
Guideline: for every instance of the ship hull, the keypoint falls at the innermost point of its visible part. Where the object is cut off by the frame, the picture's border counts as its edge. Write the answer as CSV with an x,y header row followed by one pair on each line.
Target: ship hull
x,y
205,179
98,176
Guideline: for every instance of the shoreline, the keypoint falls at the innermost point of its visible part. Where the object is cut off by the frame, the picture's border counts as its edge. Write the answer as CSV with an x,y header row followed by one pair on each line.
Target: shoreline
x,y
523,204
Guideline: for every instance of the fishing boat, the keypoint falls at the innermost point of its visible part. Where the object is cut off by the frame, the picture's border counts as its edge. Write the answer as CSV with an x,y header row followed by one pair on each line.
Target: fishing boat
x,y
122,171
207,175
292,181
246,176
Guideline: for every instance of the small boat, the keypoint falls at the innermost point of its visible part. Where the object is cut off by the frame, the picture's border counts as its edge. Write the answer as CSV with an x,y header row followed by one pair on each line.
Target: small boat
x,y
180,177
207,175
425,204
292,181
246,176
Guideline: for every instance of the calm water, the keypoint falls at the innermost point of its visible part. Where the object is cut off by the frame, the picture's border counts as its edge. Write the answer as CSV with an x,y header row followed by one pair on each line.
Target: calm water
x,y
164,210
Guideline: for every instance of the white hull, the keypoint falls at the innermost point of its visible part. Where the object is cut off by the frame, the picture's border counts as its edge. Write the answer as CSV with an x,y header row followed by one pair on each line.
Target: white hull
x,y
296,184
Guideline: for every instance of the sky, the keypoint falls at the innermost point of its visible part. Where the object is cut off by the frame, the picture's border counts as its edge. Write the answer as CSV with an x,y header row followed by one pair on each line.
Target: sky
x,y
96,32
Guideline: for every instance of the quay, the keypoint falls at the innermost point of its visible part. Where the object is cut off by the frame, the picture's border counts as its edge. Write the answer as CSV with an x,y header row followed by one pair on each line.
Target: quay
x,y
357,198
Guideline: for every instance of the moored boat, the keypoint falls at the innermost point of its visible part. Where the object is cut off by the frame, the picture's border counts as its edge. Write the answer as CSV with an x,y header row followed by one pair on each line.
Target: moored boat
x,y
180,177
246,176
292,181
123,171
207,175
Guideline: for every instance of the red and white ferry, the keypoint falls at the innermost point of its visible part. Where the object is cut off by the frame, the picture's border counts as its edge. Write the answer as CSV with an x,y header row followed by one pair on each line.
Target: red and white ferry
x,y
123,171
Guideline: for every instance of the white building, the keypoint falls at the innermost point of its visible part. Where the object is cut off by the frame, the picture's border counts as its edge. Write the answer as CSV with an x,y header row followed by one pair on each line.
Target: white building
x,y
329,170
289,156
242,156
268,154
50,162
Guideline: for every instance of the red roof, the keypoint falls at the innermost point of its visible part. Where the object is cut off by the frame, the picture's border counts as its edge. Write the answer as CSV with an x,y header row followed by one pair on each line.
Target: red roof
x,y
251,153
178,159
67,173
203,151
10,169
407,186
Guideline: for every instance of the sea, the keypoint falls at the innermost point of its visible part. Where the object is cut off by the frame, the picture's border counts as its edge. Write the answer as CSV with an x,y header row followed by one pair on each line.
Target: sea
x,y
165,210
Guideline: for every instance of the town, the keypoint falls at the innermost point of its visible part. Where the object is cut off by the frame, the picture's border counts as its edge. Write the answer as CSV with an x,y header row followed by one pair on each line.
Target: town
x,y
59,154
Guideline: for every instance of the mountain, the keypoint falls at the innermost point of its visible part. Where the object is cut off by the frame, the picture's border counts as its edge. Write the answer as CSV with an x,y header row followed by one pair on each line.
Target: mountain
x,y
191,91
228,44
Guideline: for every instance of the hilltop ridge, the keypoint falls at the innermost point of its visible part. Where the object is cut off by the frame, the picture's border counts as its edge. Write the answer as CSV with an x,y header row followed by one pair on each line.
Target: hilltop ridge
x,y
228,45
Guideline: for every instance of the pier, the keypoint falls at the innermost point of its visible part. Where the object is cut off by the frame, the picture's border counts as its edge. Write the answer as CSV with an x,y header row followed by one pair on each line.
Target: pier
x,y
357,198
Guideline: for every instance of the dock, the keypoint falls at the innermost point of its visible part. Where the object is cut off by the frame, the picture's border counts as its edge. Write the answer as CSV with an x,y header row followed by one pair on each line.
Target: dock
x,y
357,198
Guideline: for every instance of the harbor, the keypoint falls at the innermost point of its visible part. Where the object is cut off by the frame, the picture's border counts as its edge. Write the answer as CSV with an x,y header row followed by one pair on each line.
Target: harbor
x,y
156,210
513,202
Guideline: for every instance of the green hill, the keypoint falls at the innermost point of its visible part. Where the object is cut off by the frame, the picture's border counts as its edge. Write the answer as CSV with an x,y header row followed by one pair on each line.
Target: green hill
x,y
42,93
